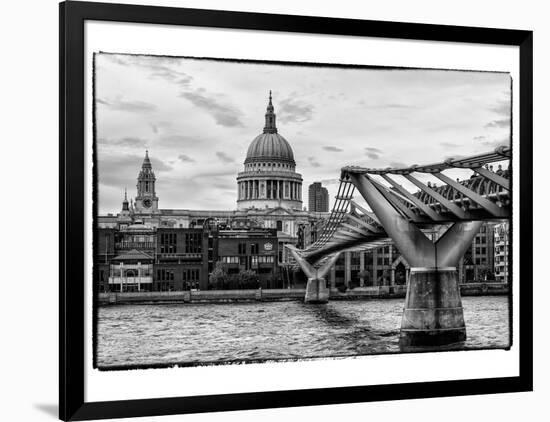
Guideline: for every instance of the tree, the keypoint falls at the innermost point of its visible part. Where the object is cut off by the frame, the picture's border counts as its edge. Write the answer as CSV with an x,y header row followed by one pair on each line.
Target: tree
x,y
218,278
484,273
248,279
365,275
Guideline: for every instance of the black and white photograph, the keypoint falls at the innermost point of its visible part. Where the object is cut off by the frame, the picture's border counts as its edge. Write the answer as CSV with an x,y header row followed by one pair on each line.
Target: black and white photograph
x,y
263,211
275,211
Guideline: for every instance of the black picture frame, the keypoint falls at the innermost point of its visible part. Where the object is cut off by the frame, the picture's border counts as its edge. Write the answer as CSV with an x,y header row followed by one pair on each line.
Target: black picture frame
x,y
72,16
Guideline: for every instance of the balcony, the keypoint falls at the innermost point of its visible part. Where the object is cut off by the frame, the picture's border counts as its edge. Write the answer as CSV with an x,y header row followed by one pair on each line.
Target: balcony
x,y
134,245
131,280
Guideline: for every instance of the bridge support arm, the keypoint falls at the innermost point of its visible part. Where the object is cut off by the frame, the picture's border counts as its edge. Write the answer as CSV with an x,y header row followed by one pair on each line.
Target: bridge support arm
x,y
455,242
413,244
316,288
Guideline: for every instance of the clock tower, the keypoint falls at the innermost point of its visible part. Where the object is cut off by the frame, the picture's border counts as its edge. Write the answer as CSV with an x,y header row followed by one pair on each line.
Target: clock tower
x,y
146,199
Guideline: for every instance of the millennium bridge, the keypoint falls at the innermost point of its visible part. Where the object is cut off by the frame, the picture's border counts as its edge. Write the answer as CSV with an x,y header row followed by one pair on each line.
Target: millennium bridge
x,y
432,228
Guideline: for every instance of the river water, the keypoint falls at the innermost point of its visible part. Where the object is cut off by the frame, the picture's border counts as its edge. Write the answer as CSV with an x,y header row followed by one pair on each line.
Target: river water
x,y
190,334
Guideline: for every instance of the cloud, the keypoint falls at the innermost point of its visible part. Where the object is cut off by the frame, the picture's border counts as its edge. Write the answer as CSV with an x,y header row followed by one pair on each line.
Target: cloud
x,y
186,158
397,164
209,174
373,153
224,157
157,127
333,149
124,142
115,58
497,142
501,123
479,138
120,104
181,79
176,140
223,114
330,181
448,144
386,106
159,165
502,107
120,170
159,66
223,184
294,111
313,162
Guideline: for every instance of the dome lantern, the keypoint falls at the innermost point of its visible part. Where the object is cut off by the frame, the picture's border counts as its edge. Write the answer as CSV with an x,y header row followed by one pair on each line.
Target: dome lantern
x,y
270,117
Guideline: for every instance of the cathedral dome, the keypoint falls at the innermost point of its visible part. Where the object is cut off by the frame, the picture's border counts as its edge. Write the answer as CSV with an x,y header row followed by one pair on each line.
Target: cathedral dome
x,y
269,179
269,147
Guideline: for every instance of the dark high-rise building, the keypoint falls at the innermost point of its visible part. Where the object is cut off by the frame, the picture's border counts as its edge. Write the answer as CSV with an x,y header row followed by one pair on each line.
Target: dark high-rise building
x,y
318,198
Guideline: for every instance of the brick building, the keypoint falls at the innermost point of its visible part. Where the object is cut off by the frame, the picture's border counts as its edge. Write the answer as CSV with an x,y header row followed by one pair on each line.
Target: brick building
x,y
144,258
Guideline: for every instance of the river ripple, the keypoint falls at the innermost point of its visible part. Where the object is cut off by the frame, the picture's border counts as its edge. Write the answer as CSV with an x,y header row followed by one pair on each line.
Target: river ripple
x,y
189,334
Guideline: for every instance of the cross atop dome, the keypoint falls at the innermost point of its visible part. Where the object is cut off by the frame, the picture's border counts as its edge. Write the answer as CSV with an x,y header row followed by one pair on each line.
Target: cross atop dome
x,y
270,118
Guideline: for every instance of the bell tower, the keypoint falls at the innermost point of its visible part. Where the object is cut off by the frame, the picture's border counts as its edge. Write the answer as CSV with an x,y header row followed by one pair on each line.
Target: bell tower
x,y
146,199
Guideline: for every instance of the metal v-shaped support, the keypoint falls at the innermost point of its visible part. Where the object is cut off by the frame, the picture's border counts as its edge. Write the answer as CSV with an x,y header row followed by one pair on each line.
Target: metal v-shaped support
x,y
418,250
309,270
316,288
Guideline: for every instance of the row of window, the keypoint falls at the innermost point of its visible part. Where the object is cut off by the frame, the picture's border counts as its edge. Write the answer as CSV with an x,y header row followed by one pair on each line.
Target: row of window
x,y
168,238
167,274
169,241
169,286
258,165
481,251
134,238
256,259
254,248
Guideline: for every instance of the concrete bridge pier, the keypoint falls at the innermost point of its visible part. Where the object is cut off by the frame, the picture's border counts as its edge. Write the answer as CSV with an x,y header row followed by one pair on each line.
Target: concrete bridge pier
x,y
316,291
432,315
316,288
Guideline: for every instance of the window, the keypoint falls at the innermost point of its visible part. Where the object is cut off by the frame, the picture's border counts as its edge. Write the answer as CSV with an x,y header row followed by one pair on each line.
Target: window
x,y
191,278
193,242
165,274
242,248
168,242
263,259
230,259
279,225
254,248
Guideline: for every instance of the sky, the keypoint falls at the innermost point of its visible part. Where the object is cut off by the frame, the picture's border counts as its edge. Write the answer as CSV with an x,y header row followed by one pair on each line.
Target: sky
x,y
196,117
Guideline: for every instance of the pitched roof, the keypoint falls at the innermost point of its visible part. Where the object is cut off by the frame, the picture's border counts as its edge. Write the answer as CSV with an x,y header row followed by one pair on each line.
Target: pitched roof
x,y
133,255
